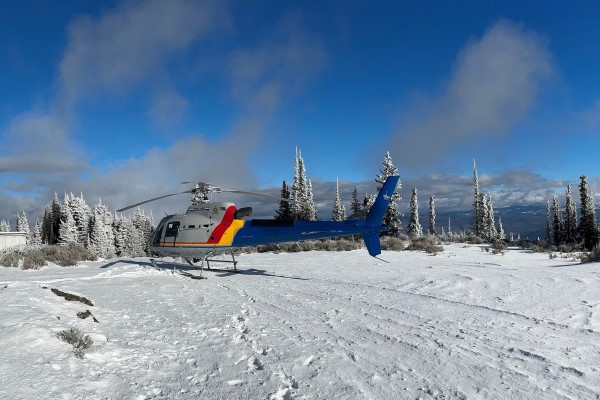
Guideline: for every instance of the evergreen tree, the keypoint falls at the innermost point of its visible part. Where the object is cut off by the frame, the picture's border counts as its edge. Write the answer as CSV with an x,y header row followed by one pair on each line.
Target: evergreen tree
x,y
356,207
548,224
588,226
556,222
414,227
339,211
570,228
482,216
4,226
125,236
432,229
311,208
36,238
303,208
47,226
67,231
284,212
56,208
477,204
391,218
142,228
490,224
81,214
102,240
501,234
22,225
300,188
368,202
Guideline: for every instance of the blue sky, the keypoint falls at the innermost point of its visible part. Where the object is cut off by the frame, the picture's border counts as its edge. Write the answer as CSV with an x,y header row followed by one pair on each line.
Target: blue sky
x,y
121,100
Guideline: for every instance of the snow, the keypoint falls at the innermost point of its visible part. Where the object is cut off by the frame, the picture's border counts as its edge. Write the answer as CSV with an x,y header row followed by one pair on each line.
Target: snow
x,y
460,325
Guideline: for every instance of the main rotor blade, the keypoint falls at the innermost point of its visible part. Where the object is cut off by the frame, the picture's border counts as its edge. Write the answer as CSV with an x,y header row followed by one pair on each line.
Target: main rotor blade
x,y
256,194
148,201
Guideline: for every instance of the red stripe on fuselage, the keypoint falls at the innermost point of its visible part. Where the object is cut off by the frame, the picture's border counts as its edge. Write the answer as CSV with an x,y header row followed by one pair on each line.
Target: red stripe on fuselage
x,y
217,234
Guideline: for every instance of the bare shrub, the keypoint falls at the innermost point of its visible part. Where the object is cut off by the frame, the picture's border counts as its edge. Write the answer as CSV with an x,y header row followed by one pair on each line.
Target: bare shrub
x,y
10,260
77,339
499,247
392,243
34,260
429,244
592,256
68,255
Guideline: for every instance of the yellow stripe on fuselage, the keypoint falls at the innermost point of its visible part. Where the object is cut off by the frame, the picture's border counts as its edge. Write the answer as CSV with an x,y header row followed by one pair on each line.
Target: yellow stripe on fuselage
x,y
229,234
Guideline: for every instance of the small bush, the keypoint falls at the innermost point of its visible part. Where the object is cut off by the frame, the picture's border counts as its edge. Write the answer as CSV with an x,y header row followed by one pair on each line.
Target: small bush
x,y
35,257
393,243
473,239
68,255
10,260
428,244
499,247
33,260
592,256
77,339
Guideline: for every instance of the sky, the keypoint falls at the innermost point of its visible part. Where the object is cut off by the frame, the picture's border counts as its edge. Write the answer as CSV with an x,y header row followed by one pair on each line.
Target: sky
x,y
123,100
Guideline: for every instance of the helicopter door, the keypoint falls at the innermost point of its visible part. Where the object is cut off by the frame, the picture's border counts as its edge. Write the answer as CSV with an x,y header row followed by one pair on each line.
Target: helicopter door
x,y
171,232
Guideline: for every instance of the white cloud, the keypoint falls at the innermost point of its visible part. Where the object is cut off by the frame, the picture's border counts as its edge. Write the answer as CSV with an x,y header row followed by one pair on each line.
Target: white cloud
x,y
132,43
494,84
38,143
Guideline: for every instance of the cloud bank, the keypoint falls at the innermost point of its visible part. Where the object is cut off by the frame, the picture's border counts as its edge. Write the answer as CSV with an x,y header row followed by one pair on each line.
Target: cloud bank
x,y
493,86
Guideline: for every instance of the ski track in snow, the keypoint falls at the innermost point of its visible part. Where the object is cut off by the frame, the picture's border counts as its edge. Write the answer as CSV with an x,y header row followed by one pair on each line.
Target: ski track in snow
x,y
460,325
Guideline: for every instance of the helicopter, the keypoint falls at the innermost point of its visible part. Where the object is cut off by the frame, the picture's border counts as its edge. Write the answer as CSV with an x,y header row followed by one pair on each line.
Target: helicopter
x,y
208,228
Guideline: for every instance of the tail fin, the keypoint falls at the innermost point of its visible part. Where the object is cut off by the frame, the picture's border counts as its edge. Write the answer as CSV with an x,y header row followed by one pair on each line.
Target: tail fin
x,y
376,213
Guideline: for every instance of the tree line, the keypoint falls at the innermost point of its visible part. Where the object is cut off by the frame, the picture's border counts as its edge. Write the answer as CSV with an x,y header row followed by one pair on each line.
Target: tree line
x,y
96,228
563,227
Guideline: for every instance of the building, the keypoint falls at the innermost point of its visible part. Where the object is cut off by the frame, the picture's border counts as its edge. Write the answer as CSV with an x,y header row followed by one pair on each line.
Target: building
x,y
12,239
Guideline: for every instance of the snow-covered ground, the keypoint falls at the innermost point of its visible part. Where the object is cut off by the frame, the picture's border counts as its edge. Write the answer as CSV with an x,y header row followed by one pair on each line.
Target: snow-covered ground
x,y
462,324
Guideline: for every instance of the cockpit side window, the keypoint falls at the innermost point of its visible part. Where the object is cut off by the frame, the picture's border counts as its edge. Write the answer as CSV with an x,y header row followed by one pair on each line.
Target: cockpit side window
x,y
172,229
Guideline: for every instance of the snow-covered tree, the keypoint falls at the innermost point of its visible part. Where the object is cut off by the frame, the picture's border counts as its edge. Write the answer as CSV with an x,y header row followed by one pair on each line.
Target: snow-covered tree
x,y
490,224
55,216
102,241
284,212
548,223
123,234
414,226
477,204
391,218
67,231
432,229
142,228
304,206
23,225
570,228
501,234
339,211
4,226
311,207
368,202
81,214
588,226
36,238
47,226
556,222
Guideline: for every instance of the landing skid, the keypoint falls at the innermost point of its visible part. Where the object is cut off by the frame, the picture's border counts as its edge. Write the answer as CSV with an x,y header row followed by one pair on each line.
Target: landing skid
x,y
192,262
